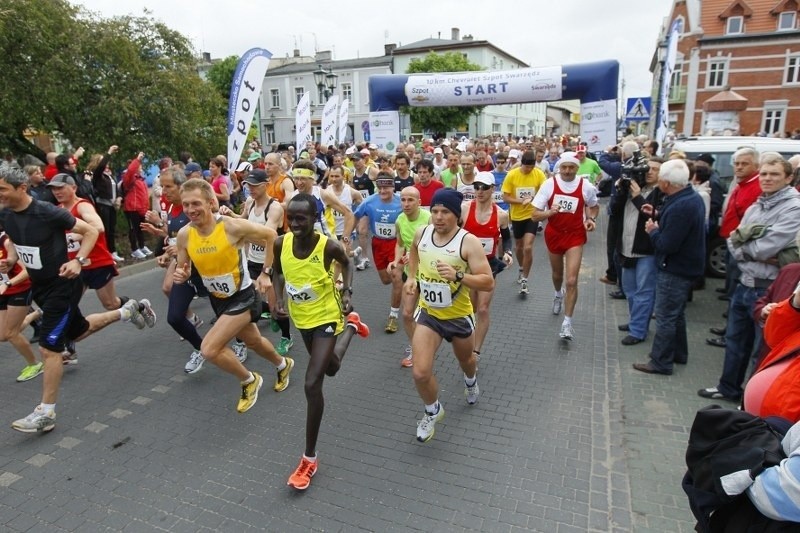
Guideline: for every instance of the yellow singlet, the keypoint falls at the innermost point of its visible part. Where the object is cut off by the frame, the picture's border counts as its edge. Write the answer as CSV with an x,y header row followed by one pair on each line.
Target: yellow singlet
x,y
222,266
441,298
311,295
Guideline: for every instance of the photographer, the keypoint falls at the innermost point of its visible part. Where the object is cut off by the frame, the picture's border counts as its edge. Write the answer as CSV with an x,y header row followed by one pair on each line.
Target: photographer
x,y
637,199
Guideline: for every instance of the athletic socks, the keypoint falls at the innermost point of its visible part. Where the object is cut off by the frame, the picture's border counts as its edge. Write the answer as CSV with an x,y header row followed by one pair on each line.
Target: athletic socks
x,y
433,408
283,364
394,311
470,381
252,378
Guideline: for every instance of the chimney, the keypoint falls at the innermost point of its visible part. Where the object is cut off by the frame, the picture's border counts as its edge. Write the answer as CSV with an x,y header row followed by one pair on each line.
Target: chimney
x,y
296,52
388,49
323,55
454,33
467,38
207,57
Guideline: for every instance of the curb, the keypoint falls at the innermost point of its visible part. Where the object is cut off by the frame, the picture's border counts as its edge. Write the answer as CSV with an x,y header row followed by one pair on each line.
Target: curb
x,y
136,268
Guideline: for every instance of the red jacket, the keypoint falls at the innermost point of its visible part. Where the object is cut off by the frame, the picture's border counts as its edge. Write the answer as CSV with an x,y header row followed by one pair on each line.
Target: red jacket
x,y
137,197
741,198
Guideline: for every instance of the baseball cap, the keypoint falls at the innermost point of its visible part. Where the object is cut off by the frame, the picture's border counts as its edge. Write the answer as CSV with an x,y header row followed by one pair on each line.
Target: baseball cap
x,y
255,156
192,167
708,158
356,156
59,180
373,146
365,151
487,178
244,166
256,177
438,151
350,151
513,153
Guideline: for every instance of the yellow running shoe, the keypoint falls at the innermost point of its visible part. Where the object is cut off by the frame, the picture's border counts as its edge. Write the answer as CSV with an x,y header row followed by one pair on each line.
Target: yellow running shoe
x,y
391,325
250,393
282,381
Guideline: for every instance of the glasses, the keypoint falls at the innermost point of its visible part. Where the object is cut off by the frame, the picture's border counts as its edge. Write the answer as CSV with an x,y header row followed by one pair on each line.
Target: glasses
x,y
482,187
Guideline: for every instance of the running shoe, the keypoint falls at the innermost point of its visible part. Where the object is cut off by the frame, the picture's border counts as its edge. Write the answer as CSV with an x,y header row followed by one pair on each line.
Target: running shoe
x,y
250,393
472,393
523,286
567,333
301,478
520,277
146,251
282,381
354,319
407,361
391,325
357,254
283,345
557,303
30,372
117,258
426,427
138,254
146,310
130,313
36,422
195,362
196,321
70,354
240,350
266,315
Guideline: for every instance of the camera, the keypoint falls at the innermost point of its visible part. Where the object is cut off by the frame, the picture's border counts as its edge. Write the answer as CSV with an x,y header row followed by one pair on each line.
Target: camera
x,y
635,169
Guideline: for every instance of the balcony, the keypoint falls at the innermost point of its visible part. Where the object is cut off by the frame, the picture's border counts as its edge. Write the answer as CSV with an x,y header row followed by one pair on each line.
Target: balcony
x,y
677,95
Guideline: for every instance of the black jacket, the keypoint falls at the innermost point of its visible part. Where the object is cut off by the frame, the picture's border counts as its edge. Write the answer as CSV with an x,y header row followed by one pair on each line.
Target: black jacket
x,y
641,240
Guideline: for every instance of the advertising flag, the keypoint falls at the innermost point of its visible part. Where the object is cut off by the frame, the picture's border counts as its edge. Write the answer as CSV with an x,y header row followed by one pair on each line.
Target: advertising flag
x,y
344,116
245,90
662,124
302,121
329,115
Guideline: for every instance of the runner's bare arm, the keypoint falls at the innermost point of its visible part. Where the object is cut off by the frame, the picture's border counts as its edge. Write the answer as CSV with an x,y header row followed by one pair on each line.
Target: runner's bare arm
x,y
89,234
349,219
278,278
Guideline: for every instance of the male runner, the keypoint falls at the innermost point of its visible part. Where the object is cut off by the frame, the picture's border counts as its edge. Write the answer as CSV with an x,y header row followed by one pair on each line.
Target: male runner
x,y
569,204
214,245
445,262
303,280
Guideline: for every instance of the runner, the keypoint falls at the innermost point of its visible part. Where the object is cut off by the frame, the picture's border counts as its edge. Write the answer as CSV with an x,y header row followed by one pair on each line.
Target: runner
x,y
407,224
327,203
444,261
519,188
382,211
482,218
570,207
426,185
37,230
302,268
214,245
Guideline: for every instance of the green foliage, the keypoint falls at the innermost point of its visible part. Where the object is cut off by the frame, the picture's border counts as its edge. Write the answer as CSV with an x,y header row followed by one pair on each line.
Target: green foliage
x,y
130,81
220,75
440,119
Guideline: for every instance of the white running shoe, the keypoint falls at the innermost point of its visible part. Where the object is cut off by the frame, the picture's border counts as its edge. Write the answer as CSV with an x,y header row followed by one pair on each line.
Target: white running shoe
x,y
146,310
240,349
117,258
195,362
557,303
427,425
138,254
146,251
37,421
130,313
523,286
567,333
196,321
357,254
472,393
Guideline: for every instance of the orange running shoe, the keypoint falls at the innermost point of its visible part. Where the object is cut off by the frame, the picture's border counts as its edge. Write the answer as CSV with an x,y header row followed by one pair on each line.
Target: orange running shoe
x,y
361,328
301,478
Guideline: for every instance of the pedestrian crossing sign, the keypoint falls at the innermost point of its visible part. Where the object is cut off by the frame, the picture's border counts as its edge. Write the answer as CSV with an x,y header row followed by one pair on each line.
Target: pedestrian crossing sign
x,y
638,109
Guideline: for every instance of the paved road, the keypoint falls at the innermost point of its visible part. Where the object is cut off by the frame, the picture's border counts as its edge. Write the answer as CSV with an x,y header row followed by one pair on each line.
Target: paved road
x,y
564,437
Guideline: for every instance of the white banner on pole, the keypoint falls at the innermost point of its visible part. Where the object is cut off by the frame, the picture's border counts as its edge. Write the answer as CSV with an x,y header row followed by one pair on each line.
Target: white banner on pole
x,y
599,124
344,116
662,120
384,130
302,122
245,89
329,115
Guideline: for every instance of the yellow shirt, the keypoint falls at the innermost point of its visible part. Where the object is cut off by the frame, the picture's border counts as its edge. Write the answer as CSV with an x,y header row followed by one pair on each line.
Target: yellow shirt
x,y
441,298
521,186
311,296
222,266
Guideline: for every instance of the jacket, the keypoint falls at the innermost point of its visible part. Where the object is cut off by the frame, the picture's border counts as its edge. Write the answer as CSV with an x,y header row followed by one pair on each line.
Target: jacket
x,y
642,245
680,240
780,212
136,198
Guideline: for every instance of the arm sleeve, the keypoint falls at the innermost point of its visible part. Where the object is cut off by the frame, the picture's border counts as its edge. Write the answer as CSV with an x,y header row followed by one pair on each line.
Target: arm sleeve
x,y
543,195
780,235
776,491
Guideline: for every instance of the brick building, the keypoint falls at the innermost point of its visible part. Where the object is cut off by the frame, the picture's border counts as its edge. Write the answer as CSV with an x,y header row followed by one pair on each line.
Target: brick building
x,y
737,67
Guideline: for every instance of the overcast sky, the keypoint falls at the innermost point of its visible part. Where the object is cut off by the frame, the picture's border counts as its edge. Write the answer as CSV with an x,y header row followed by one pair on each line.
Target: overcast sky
x,y
538,33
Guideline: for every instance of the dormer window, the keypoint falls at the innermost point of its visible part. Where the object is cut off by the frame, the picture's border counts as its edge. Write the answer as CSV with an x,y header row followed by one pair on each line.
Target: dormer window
x,y
734,26
787,20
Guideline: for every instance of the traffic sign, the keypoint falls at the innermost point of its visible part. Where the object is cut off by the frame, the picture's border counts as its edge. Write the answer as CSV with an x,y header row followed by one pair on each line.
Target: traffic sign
x,y
638,109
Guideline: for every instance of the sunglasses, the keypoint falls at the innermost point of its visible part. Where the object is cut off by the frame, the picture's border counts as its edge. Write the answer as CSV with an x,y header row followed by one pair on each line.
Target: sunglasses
x,y
482,187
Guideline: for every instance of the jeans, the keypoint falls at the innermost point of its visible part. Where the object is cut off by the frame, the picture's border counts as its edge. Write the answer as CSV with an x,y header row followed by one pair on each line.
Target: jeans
x,y
108,215
740,338
670,344
639,285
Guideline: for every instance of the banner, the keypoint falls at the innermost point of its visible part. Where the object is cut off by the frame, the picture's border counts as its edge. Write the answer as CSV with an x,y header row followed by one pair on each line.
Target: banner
x,y
483,88
245,90
662,120
599,124
302,122
344,116
384,130
329,115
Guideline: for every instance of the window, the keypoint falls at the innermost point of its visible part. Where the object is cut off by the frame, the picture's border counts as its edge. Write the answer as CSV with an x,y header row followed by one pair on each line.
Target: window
x,y
675,88
347,92
298,94
774,114
717,75
321,95
792,69
495,128
734,26
787,20
275,98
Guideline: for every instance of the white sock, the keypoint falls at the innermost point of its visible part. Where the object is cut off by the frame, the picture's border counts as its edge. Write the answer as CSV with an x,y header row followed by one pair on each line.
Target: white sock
x,y
124,314
433,408
249,380
568,320
470,381
283,364
310,459
48,407
559,294
394,311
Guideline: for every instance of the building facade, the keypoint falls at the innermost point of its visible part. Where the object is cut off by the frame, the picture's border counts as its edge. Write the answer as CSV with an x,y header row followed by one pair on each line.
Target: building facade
x,y
737,70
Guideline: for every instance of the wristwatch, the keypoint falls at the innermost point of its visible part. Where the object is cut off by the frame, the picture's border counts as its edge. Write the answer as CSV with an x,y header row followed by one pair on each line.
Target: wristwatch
x,y
268,271
82,261
593,219
348,289
8,282
459,275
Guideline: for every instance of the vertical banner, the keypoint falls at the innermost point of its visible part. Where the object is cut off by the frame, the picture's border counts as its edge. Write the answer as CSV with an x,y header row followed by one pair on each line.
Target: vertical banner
x,y
599,124
384,130
302,122
344,116
329,115
662,119
245,90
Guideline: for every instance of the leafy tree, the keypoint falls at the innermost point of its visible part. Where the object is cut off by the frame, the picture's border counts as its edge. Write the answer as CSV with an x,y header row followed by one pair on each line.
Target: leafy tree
x,y
220,75
440,119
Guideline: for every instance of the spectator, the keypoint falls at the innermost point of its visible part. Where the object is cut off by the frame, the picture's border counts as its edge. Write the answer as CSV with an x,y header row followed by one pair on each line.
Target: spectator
x,y
135,206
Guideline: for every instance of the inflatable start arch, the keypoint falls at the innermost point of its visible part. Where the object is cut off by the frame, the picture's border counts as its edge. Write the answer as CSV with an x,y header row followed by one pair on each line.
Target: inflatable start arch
x,y
594,84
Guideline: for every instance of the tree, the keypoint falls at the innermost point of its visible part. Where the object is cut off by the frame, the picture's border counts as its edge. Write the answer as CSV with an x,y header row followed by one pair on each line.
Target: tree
x,y
440,119
220,75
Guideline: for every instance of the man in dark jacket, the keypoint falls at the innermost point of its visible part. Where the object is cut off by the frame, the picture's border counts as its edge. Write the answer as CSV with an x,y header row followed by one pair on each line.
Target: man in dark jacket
x,y
679,242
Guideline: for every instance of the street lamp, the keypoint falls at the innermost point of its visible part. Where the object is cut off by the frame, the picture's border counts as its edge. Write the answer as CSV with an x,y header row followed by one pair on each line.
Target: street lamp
x,y
325,80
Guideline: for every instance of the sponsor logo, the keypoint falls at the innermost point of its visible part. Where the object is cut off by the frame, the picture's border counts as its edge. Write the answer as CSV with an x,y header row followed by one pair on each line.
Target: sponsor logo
x,y
314,259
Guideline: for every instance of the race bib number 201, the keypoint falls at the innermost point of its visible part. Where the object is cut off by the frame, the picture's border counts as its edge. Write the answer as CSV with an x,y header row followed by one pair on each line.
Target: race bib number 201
x,y
435,294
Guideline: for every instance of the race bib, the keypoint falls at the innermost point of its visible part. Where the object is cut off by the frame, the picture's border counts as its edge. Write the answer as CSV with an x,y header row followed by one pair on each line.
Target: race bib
x,y
435,294
220,285
364,194
525,192
257,248
488,245
164,217
385,230
301,295
172,241
469,194
498,197
73,243
567,204
30,256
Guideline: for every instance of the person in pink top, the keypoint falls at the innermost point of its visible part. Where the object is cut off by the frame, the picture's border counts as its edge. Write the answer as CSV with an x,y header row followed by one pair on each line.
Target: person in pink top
x,y
219,181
